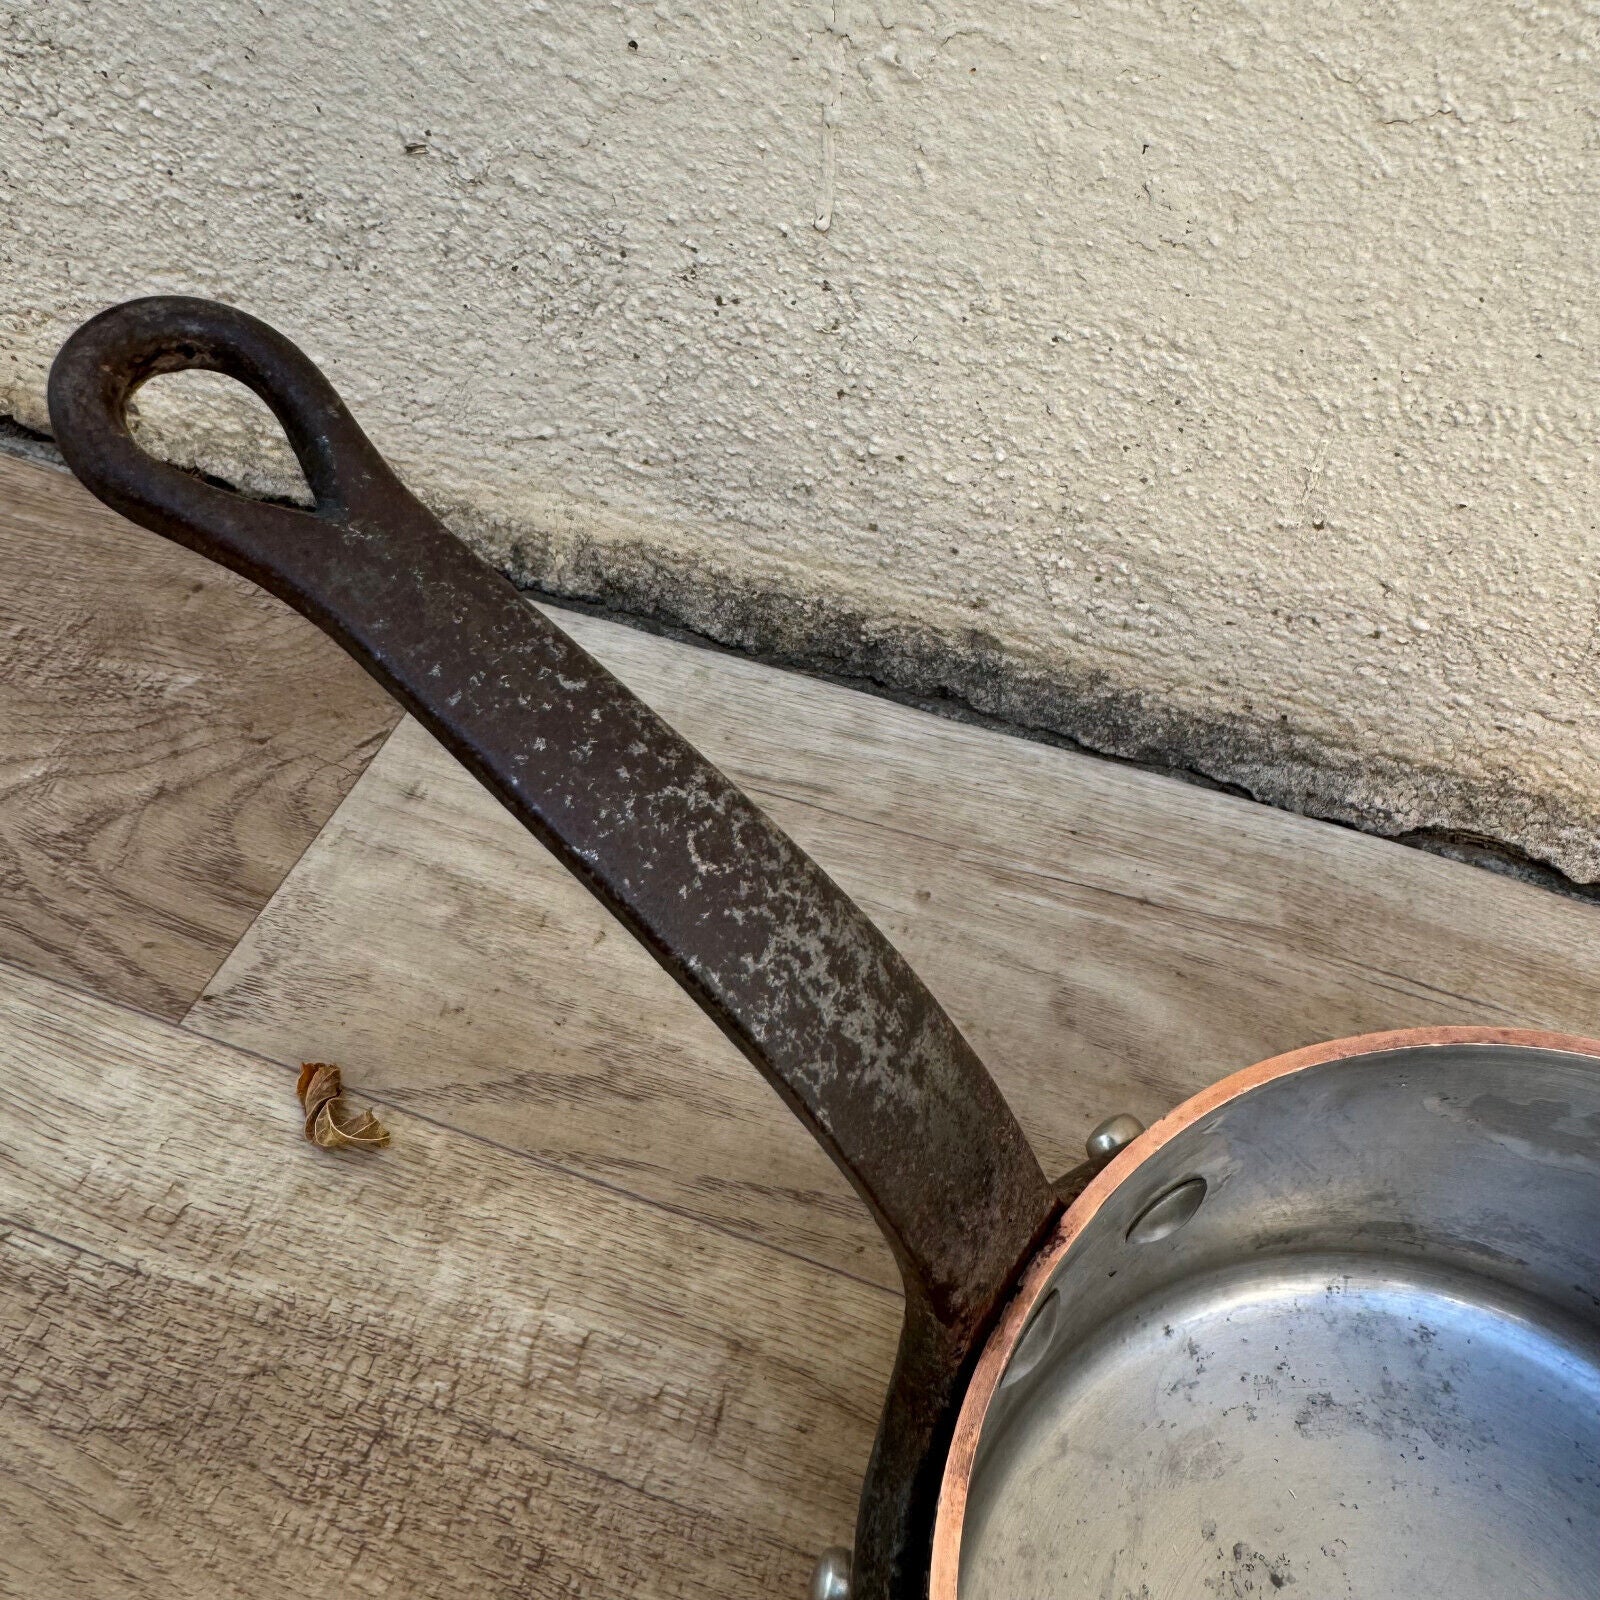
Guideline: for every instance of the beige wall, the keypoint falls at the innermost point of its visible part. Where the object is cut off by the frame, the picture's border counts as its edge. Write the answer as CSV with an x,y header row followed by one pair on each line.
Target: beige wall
x,y
1213,382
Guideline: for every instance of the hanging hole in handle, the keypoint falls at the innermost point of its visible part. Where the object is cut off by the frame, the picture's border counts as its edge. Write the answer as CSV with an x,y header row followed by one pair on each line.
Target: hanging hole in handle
x,y
209,423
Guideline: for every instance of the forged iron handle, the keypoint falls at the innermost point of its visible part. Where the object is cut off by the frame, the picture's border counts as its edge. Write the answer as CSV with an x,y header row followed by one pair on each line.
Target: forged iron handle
x,y
775,953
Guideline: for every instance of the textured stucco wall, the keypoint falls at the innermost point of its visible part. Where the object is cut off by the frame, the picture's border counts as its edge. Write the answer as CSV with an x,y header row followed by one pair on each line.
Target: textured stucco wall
x,y
1212,382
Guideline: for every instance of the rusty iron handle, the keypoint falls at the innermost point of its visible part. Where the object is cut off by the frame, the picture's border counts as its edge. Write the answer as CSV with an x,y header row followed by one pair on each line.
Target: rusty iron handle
x,y
776,954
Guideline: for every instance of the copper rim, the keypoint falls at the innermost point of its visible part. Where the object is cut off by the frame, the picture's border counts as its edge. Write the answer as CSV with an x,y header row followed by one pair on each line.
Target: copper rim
x,y
946,1562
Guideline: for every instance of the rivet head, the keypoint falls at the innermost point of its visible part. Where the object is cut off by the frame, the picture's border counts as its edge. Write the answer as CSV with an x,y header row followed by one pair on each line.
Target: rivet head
x,y
1168,1212
830,1578
1114,1134
1037,1337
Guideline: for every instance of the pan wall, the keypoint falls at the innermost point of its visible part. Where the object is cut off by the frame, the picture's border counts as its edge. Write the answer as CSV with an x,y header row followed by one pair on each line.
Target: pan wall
x,y
1211,383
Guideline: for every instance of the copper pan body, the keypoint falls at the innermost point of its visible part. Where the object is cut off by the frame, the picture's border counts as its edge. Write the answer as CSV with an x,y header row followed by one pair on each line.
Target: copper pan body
x,y
1365,1361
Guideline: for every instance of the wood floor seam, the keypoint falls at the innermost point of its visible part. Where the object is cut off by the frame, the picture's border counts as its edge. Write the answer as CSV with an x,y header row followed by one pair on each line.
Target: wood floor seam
x,y
543,1163
222,960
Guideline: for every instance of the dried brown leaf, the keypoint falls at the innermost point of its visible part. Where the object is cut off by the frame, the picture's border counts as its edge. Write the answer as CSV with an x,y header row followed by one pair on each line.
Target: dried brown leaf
x,y
328,1121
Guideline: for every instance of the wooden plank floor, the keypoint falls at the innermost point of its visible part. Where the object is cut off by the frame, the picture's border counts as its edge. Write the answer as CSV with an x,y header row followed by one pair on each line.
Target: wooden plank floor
x,y
171,739
235,1365
601,1320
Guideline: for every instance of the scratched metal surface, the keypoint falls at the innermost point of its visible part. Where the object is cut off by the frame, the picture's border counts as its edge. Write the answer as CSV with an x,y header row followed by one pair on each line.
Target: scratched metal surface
x,y
1369,1364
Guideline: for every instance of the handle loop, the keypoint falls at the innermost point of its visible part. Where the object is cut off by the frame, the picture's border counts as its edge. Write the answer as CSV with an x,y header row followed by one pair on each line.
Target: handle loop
x,y
110,357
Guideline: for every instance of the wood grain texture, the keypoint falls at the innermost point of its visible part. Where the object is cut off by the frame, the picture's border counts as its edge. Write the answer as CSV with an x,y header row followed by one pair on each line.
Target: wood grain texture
x,y
1108,939
171,739
234,1365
